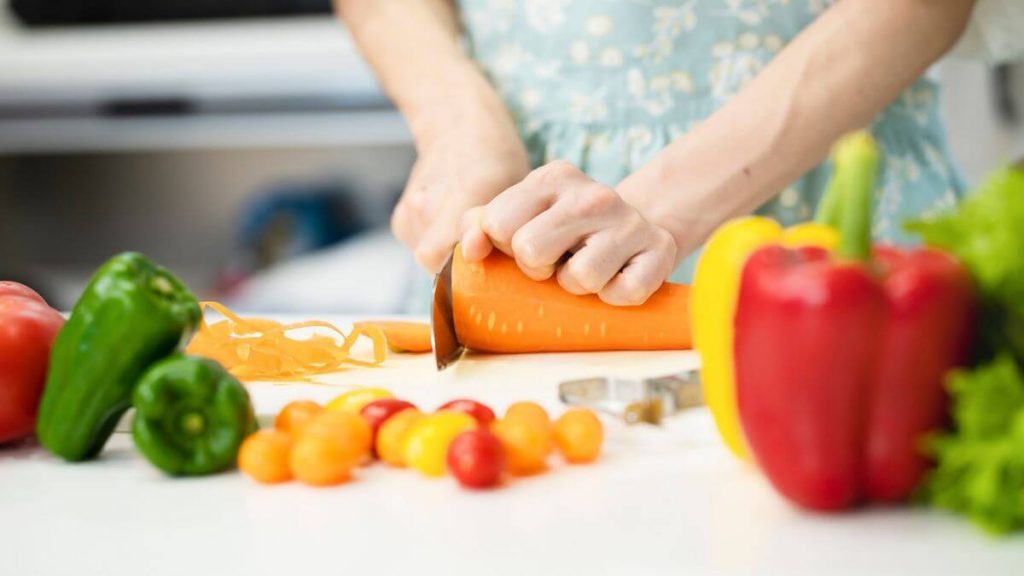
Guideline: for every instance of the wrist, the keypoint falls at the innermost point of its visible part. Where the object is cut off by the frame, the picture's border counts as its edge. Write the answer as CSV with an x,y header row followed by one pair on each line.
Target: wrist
x,y
687,208
459,96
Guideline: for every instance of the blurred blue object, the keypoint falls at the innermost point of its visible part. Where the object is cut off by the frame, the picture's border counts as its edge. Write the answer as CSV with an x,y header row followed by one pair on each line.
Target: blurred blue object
x,y
296,219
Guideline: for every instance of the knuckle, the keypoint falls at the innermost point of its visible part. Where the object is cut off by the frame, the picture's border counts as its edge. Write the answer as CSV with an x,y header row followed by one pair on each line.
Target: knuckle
x,y
553,172
630,292
596,201
584,275
664,243
526,251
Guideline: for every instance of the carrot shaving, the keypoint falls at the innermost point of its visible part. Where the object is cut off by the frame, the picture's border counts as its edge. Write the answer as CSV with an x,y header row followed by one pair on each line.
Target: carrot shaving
x,y
261,349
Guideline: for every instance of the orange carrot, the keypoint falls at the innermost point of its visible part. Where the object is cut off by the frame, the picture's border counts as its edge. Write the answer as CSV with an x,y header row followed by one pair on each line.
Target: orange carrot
x,y
499,309
402,336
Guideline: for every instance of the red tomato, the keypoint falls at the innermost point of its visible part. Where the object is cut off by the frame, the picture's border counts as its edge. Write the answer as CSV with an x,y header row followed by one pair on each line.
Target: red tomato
x,y
27,330
377,412
476,458
481,412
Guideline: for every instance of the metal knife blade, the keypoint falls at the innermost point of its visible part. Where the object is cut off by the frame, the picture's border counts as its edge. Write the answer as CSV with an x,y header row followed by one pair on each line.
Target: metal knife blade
x,y
447,348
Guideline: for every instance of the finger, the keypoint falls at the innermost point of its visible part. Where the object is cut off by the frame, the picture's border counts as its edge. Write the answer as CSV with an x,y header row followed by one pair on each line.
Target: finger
x,y
437,242
640,278
519,204
475,244
407,218
402,226
578,213
594,265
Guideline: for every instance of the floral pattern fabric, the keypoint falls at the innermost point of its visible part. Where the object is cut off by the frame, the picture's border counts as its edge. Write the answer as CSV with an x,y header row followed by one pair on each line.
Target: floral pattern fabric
x,y
606,84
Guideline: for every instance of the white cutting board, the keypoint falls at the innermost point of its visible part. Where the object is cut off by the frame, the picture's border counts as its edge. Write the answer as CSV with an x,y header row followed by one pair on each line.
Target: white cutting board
x,y
498,380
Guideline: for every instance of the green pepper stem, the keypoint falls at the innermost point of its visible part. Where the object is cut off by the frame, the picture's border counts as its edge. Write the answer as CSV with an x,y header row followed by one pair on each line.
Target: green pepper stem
x,y
856,168
828,208
193,423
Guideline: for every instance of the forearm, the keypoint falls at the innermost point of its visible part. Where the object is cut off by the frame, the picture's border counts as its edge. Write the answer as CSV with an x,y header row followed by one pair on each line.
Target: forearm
x,y
836,76
413,46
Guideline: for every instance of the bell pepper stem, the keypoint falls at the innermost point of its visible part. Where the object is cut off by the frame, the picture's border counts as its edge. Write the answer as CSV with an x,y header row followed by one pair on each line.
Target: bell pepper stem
x,y
828,208
856,168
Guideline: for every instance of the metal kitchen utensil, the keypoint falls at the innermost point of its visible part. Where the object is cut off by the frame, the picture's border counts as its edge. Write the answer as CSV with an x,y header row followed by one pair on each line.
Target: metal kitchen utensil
x,y
444,341
636,400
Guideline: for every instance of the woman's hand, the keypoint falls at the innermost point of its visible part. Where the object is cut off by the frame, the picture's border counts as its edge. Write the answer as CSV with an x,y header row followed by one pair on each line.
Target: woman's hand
x,y
559,221
468,161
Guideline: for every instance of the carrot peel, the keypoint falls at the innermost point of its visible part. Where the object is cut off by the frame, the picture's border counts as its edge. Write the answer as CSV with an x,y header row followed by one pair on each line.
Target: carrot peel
x,y
262,349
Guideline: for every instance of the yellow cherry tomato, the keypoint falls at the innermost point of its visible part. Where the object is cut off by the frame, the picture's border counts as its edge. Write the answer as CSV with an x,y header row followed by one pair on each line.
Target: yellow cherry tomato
x,y
578,434
426,446
392,435
354,400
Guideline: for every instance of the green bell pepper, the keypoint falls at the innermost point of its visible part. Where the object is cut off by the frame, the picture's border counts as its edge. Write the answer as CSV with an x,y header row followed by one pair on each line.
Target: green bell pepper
x,y
191,416
131,314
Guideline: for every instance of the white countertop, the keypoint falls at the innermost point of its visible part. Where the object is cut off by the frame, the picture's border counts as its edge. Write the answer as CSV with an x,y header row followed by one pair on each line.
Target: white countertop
x,y
666,500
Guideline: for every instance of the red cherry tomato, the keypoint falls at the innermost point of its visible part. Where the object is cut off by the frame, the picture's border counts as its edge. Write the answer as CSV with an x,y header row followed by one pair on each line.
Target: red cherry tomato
x,y
476,458
376,413
483,414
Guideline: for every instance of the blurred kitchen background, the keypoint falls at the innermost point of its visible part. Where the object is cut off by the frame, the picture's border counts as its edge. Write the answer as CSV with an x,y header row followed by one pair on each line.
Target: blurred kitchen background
x,y
245,145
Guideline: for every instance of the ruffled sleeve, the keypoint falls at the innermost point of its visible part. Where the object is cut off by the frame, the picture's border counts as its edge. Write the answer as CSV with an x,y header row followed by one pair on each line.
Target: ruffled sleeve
x,y
995,33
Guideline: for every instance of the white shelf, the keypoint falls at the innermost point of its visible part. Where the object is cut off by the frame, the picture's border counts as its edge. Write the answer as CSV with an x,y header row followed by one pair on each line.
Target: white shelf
x,y
286,82
60,135
306,56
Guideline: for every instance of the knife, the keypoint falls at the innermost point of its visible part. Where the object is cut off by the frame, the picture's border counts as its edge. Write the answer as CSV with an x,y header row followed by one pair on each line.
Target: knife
x,y
443,339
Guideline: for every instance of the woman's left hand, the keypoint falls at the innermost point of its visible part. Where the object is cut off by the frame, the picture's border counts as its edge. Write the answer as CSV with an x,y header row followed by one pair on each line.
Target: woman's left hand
x,y
560,221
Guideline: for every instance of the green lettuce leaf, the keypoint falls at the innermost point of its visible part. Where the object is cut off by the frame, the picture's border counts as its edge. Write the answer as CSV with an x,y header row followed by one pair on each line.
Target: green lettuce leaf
x,y
979,468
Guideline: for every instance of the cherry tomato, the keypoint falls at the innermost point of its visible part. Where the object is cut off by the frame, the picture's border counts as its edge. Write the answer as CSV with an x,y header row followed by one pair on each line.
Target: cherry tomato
x,y
377,412
350,429
321,460
264,456
527,444
476,458
483,414
578,434
354,400
391,436
295,415
530,411
426,447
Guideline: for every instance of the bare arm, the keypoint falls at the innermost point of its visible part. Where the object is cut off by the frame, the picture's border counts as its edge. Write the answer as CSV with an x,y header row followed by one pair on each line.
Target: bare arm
x,y
836,76
468,147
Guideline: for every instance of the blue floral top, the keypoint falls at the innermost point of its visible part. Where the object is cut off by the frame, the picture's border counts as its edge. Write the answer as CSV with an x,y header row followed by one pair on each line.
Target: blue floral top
x,y
606,84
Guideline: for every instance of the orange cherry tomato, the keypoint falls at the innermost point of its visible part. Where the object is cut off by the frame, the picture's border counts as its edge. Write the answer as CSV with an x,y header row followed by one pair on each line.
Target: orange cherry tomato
x,y
350,429
527,444
295,415
263,456
321,460
529,411
578,434
391,436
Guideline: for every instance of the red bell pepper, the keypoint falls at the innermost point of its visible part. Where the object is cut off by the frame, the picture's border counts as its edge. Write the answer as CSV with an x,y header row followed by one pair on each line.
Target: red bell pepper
x,y
27,329
840,357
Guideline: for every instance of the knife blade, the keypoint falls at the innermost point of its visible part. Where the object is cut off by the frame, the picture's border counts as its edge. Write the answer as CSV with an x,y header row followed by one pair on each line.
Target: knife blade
x,y
445,342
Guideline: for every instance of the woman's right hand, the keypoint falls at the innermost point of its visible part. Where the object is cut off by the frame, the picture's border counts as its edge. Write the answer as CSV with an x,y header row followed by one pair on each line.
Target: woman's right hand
x,y
467,156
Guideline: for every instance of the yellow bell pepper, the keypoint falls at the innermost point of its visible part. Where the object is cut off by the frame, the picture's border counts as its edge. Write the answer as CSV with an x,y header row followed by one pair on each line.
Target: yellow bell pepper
x,y
713,298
